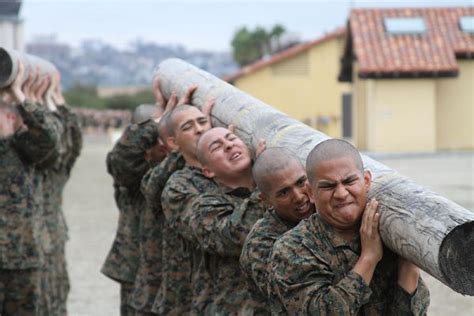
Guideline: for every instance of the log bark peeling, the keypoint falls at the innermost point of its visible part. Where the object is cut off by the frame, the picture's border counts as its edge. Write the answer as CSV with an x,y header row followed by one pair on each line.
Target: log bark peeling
x,y
422,226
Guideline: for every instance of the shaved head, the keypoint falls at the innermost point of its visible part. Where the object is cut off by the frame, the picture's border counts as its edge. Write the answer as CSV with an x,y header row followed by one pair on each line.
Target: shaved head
x,y
328,150
270,162
171,124
201,150
164,126
144,112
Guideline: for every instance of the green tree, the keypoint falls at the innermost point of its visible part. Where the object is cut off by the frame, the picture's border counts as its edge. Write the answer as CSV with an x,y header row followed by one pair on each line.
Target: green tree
x,y
249,46
243,49
84,96
277,31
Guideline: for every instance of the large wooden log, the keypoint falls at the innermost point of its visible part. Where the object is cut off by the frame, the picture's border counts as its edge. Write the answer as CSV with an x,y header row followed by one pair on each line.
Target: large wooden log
x,y
420,225
9,65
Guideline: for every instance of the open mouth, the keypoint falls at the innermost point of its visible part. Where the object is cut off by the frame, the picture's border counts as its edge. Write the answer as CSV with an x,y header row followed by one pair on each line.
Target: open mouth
x,y
235,156
303,208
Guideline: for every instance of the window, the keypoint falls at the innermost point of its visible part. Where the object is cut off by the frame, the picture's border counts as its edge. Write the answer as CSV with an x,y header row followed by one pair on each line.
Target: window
x,y
402,26
466,24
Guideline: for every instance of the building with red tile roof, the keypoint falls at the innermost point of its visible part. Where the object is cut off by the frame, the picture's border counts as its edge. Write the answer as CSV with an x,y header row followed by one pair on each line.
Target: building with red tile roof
x,y
430,53
412,75
392,80
300,81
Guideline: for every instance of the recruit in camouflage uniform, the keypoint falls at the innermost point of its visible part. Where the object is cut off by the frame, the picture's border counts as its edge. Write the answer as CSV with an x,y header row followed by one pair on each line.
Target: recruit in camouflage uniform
x,y
186,286
127,165
45,182
21,242
256,254
148,279
311,272
54,181
220,224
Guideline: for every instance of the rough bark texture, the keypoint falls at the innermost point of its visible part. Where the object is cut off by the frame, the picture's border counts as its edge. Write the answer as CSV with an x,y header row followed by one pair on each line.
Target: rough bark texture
x,y
424,227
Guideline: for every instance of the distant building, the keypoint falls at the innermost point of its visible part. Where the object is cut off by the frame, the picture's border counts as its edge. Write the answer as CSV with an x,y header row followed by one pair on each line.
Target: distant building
x,y
301,81
393,80
11,25
412,76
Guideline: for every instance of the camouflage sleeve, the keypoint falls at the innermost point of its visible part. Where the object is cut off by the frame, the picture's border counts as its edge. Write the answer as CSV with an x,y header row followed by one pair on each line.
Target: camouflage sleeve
x,y
126,161
256,255
153,184
303,281
40,140
4,145
221,224
404,304
74,137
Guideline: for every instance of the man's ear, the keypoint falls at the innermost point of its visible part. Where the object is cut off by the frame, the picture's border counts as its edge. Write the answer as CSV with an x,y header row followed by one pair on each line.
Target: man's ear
x,y
171,143
207,173
367,179
310,192
263,197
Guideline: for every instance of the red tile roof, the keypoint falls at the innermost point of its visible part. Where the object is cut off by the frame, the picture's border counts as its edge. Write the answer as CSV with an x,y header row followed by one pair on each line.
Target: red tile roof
x,y
381,54
290,52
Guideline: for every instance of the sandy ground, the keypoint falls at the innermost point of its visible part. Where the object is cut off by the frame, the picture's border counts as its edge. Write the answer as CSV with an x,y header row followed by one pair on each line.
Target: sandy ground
x,y
92,217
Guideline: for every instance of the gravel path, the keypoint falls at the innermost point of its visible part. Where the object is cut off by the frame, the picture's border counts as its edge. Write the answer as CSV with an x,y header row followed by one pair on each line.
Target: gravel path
x,y
92,217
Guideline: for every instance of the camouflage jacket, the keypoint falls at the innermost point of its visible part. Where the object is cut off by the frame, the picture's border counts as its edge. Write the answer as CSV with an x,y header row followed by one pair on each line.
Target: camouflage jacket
x,y
185,286
56,176
256,254
21,241
148,279
311,272
220,223
127,165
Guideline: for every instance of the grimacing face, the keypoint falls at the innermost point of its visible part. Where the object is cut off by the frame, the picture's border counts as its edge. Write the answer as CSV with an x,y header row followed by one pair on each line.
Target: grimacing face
x,y
190,124
225,153
289,194
339,192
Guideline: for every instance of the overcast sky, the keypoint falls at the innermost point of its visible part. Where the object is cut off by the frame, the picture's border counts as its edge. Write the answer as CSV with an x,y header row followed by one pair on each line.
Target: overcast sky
x,y
196,24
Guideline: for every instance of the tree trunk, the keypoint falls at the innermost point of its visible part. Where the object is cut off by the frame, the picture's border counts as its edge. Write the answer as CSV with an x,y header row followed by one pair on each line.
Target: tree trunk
x,y
424,227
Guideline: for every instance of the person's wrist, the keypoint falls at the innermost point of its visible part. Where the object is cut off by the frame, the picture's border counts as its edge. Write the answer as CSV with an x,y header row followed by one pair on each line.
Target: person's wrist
x,y
369,258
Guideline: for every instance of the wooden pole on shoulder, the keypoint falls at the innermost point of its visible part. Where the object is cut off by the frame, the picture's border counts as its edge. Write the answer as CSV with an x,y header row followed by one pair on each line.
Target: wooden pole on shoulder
x,y
422,226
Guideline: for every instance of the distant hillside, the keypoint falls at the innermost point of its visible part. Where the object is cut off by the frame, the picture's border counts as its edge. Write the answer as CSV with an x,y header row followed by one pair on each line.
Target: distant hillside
x,y
100,64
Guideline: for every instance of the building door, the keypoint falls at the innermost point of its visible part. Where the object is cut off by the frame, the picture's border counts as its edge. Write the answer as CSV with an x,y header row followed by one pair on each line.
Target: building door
x,y
347,115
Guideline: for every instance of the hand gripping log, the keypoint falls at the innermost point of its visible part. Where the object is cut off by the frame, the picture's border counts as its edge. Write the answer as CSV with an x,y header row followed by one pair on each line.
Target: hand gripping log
x,y
418,224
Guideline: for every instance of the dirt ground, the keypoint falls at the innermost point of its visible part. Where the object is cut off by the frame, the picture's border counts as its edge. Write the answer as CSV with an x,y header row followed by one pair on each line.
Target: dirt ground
x,y
92,217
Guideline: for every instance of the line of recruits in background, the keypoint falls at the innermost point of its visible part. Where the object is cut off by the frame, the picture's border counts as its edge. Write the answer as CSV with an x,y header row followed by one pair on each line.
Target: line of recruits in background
x,y
209,226
40,140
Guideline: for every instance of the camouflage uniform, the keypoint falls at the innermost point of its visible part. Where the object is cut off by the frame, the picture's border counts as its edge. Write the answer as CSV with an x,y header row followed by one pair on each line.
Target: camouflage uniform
x,y
148,279
220,222
45,185
183,289
127,165
22,239
256,254
311,273
54,181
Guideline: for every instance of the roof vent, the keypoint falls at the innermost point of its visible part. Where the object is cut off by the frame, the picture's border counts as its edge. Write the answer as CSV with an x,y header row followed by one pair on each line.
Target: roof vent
x,y
466,24
404,26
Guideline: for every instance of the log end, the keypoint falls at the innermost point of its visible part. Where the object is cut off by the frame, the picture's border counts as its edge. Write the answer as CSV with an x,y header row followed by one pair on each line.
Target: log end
x,y
456,258
6,67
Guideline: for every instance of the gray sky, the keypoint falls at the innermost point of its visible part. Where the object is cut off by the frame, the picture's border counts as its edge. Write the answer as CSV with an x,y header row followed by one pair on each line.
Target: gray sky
x,y
196,24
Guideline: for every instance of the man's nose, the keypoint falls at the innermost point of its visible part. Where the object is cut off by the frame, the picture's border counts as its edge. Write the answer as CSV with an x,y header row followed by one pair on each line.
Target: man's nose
x,y
340,191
